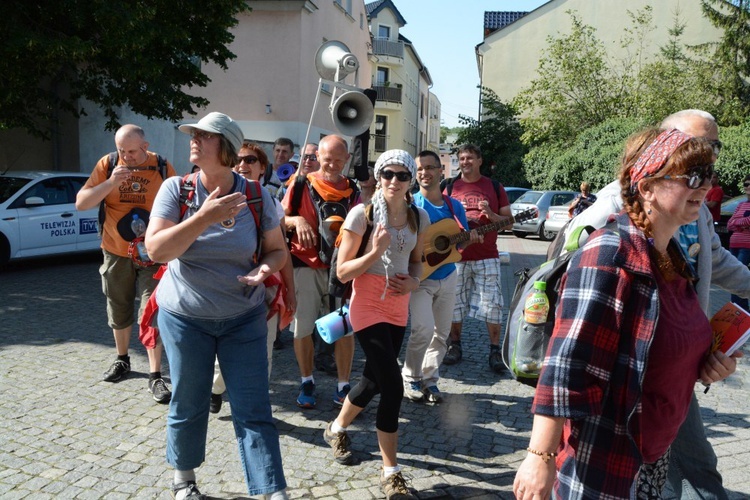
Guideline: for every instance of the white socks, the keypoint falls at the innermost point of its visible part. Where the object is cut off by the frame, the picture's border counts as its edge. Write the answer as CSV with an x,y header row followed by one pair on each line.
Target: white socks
x,y
336,428
389,471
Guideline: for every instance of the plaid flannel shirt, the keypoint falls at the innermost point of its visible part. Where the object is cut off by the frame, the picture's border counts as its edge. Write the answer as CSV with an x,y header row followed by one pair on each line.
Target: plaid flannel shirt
x,y
595,364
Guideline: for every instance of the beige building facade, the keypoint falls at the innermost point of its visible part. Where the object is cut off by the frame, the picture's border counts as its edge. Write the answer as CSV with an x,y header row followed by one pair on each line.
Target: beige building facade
x,y
407,114
508,58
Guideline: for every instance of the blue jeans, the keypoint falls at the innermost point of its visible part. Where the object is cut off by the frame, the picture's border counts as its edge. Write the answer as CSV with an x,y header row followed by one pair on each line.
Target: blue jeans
x,y
240,345
692,466
743,255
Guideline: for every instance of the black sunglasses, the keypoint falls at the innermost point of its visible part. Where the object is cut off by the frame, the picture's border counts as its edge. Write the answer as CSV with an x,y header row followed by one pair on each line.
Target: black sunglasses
x,y
390,174
249,159
696,177
746,184
310,157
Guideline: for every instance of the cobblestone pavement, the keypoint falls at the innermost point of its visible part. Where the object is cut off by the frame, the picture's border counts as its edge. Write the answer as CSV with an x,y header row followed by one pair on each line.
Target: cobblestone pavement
x,y
66,434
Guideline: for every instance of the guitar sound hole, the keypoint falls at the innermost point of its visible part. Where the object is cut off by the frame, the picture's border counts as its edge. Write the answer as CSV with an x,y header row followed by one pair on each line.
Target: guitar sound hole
x,y
442,243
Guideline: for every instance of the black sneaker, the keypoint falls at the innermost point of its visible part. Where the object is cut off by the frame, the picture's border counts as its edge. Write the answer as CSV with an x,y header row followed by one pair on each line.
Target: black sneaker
x,y
453,355
496,362
159,390
118,370
215,406
187,491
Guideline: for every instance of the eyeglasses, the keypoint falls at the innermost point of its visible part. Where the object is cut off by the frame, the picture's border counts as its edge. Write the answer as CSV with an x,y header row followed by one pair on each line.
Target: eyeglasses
x,y
390,174
427,167
746,184
716,145
200,134
696,177
249,159
310,158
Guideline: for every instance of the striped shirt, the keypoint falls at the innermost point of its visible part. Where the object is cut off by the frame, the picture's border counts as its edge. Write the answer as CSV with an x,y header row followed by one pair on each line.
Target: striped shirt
x,y
739,223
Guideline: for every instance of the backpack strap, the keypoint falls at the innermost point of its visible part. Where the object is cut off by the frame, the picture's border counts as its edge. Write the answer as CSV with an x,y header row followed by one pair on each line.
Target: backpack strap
x,y
187,192
162,162
447,185
416,214
496,185
299,184
255,204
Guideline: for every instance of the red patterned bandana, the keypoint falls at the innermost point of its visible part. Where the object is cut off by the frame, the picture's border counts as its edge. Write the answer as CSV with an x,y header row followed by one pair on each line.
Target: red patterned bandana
x,y
656,155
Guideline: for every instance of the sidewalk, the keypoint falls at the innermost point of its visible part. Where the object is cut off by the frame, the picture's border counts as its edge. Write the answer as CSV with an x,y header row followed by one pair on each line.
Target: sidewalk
x,y
66,434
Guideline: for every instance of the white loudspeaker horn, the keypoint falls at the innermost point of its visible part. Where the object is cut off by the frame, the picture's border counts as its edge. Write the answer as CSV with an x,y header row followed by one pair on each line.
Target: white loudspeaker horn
x,y
332,56
352,113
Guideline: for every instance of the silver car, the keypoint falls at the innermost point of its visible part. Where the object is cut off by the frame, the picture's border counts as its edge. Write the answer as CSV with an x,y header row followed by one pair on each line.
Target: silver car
x,y
542,201
38,215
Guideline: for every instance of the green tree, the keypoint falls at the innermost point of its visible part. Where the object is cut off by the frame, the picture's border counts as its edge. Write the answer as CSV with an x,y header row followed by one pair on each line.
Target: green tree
x,y
734,159
145,55
498,134
576,88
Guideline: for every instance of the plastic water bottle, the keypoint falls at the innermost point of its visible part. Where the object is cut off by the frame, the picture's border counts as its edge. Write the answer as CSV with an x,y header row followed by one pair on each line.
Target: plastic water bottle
x,y
533,349
138,226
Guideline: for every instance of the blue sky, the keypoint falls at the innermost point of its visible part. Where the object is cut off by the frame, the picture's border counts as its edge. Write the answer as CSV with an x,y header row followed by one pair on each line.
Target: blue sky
x,y
445,32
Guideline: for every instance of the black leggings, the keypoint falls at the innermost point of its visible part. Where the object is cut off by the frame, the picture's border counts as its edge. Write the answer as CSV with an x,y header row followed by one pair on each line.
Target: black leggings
x,y
381,343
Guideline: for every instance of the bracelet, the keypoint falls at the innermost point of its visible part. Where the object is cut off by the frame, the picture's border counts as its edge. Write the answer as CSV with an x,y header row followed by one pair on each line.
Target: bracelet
x,y
544,455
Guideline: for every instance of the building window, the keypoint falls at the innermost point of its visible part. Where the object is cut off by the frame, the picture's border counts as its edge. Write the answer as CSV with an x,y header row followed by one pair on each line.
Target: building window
x,y
382,76
381,133
361,21
384,31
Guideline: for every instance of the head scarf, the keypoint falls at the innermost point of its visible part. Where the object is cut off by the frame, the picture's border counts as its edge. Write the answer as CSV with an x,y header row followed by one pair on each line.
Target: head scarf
x,y
655,156
380,209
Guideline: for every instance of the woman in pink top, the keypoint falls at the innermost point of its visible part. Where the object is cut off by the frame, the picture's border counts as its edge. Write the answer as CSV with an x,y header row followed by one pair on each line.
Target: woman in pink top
x,y
384,277
739,242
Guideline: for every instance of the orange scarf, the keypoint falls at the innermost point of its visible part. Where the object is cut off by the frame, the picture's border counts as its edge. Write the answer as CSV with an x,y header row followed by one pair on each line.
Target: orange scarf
x,y
327,192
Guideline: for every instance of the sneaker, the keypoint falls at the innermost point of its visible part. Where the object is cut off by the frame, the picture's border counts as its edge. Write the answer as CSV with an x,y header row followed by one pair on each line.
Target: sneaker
x,y
340,443
187,491
216,400
394,487
432,394
306,398
340,396
453,355
496,362
413,390
159,390
118,370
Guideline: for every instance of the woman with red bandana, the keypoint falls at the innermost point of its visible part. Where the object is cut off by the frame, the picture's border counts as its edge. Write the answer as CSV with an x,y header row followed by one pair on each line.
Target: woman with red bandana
x,y
630,339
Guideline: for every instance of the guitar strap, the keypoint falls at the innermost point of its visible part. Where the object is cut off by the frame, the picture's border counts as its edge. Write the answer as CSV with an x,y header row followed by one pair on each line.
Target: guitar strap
x,y
447,201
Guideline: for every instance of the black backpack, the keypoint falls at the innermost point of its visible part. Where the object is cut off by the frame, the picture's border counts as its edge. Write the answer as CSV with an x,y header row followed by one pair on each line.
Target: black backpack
x,y
112,163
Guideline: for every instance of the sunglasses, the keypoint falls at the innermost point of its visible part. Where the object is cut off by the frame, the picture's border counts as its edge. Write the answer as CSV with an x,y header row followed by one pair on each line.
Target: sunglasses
x,y
200,134
696,177
746,184
390,174
249,159
310,158
716,145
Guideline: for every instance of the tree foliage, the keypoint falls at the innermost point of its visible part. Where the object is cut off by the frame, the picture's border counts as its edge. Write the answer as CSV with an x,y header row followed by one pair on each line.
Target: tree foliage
x,y
734,160
142,54
498,134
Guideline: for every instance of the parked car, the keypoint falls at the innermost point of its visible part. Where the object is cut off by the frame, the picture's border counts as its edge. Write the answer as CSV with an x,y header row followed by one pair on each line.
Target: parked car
x,y
38,215
557,217
513,194
727,209
541,200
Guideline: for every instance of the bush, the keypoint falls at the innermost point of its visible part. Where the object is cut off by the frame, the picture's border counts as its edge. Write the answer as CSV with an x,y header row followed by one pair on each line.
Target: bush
x,y
594,157
733,164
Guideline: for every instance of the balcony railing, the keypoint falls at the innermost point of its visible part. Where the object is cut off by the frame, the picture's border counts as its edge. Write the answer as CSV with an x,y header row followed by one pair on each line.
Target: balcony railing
x,y
388,94
386,47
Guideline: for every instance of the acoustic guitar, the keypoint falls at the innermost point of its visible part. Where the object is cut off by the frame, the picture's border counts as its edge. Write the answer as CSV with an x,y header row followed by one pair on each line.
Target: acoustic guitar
x,y
442,237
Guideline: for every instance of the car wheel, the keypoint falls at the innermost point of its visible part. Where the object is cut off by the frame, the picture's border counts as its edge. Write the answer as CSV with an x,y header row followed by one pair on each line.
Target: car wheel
x,y
545,235
519,234
4,250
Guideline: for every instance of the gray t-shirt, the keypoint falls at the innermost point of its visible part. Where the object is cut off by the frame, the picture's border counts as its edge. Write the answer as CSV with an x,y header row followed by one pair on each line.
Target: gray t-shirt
x,y
202,282
357,223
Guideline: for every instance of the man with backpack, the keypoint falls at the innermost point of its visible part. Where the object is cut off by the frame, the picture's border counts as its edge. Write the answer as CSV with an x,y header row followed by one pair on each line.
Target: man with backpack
x,y
125,184
478,290
324,198
692,468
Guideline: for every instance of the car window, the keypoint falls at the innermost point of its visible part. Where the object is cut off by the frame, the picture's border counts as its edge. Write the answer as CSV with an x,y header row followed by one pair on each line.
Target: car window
x,y
561,199
529,197
52,191
10,186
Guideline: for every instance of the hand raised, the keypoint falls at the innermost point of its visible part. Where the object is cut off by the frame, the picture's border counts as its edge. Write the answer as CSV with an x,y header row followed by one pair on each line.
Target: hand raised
x,y
217,209
381,239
